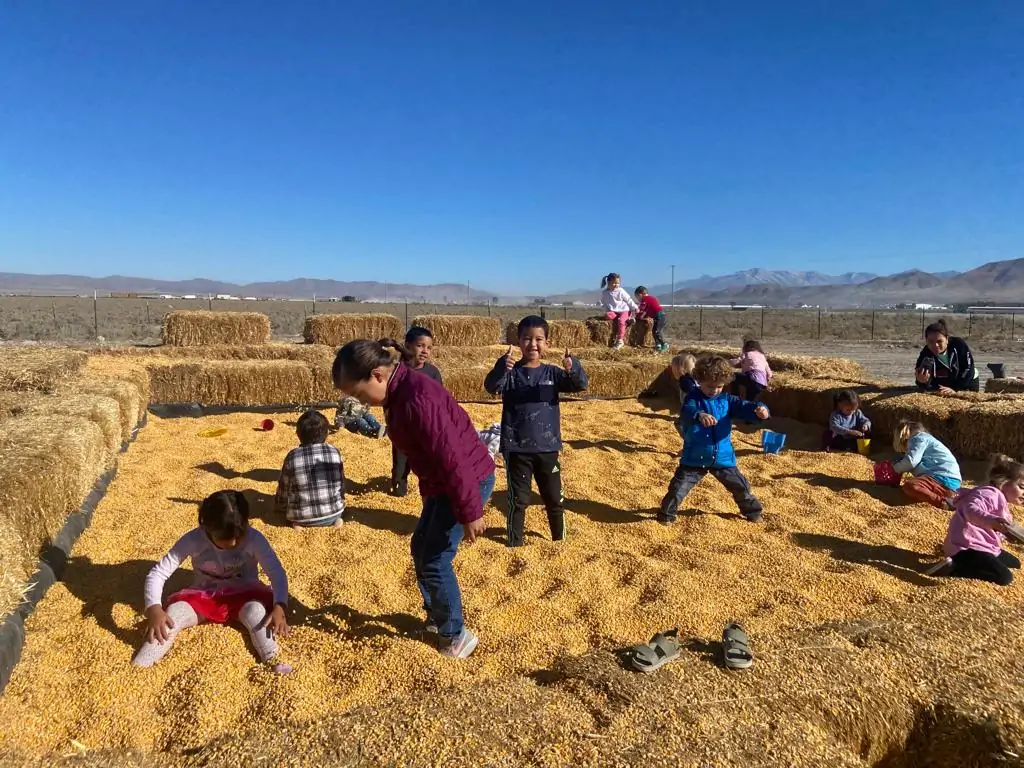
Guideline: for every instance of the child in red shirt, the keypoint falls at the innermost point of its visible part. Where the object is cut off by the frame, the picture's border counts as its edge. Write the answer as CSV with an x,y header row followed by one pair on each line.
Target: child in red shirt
x,y
650,311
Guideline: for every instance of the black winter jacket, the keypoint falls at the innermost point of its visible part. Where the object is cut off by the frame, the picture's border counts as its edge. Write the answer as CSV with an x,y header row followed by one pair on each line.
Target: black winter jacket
x,y
958,375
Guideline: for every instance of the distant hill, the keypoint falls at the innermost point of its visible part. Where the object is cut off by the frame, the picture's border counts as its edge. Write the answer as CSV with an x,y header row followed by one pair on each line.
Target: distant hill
x,y
1000,281
64,285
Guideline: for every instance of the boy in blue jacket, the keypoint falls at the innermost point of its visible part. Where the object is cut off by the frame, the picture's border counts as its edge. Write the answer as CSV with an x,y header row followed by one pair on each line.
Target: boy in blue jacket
x,y
531,424
706,427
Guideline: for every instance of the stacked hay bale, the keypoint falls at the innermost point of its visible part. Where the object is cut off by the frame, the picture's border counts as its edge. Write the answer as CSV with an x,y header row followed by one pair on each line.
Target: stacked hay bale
x,y
336,330
1014,385
190,329
562,333
231,383
600,329
38,369
461,330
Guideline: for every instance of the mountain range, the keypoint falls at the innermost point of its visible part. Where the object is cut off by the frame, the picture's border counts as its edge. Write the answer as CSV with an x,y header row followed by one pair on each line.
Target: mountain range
x,y
999,281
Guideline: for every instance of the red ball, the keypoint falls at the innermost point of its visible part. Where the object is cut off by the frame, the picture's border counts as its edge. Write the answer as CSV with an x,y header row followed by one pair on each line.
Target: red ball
x,y
267,424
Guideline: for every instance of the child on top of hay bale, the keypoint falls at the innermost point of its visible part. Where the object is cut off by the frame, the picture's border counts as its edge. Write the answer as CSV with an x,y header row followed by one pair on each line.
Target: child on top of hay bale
x,y
226,557
419,343
531,428
311,489
847,424
974,541
619,306
706,427
455,471
756,373
936,472
651,312
356,418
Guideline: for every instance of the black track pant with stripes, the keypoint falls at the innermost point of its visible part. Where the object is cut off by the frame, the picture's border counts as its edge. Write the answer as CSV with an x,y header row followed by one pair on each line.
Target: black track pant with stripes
x,y
521,470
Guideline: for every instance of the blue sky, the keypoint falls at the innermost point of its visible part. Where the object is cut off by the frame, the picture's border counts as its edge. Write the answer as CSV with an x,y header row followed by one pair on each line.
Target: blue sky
x,y
525,146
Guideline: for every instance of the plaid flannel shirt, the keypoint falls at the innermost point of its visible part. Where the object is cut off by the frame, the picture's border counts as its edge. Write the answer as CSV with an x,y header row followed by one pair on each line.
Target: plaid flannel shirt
x,y
312,484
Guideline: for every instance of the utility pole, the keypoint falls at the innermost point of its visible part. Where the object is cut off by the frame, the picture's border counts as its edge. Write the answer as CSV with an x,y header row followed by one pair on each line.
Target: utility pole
x,y
467,293
673,285
385,291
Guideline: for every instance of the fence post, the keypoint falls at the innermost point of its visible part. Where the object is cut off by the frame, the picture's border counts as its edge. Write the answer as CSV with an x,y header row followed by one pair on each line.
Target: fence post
x,y
314,303
819,323
700,322
56,325
1013,323
488,307
209,303
970,322
872,325
762,322
565,313
922,325
407,314
95,316
147,313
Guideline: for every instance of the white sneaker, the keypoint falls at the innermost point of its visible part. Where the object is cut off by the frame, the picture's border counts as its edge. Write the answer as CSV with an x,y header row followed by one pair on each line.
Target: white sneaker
x,y
619,344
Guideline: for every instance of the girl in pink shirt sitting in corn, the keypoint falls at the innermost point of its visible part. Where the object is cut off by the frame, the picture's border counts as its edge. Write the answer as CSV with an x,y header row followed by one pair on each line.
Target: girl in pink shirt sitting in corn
x,y
980,522
756,373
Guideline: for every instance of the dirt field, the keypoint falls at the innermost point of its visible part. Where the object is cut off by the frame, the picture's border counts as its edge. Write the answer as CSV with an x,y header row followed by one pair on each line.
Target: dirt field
x,y
77,320
832,546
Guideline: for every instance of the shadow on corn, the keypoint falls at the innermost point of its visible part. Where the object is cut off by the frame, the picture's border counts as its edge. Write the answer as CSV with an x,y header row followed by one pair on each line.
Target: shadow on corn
x,y
350,623
103,586
256,475
900,563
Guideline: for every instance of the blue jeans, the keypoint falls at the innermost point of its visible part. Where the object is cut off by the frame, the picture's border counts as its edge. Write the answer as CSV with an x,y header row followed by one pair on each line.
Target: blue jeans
x,y
365,425
434,544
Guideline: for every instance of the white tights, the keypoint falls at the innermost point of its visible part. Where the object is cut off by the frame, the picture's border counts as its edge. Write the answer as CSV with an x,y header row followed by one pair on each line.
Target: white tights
x,y
251,616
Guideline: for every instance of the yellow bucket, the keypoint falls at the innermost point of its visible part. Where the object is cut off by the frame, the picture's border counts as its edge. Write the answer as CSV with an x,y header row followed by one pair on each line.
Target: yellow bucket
x,y
864,446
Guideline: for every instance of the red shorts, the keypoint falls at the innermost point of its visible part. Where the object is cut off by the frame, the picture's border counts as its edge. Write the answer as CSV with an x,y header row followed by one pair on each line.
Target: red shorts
x,y
223,607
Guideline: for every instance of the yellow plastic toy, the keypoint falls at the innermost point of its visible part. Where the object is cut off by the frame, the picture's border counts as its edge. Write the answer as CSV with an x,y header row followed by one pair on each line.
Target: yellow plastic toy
x,y
215,432
864,446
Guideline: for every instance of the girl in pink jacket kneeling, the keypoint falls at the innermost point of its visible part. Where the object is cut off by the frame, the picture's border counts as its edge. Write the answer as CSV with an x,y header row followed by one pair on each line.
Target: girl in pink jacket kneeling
x,y
981,518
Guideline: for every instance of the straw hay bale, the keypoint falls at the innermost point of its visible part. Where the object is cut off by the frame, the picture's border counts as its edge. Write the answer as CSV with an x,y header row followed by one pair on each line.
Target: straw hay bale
x,y
337,330
461,330
466,382
183,328
838,368
229,382
129,399
1015,385
47,467
311,353
103,411
38,368
807,400
940,415
562,333
637,335
13,575
134,371
985,428
16,403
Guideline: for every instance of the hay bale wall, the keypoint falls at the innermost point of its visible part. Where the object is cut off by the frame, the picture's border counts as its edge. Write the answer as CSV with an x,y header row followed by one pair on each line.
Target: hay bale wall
x,y
600,330
232,383
192,329
311,353
40,369
462,330
838,368
336,330
130,402
47,467
1005,385
562,333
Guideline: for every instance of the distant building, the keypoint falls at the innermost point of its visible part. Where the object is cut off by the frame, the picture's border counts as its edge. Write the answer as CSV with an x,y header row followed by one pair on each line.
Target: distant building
x,y
191,296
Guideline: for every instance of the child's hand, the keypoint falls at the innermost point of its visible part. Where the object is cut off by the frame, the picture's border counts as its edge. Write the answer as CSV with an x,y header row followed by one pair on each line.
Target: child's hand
x,y
923,375
945,391
471,531
567,362
706,419
856,433
509,362
160,624
761,412
276,623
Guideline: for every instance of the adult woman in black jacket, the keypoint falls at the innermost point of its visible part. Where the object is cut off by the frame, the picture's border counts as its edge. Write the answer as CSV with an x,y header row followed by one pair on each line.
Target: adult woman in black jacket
x,y
945,364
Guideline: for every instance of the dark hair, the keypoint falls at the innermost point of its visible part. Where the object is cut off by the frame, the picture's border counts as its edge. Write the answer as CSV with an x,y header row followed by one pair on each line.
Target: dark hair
x,y
224,515
939,326
640,289
311,427
1002,469
752,345
530,322
713,369
358,358
609,277
416,333
846,396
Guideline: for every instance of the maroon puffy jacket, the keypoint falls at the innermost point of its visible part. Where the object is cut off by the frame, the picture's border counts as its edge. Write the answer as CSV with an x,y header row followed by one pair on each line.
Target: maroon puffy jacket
x,y
439,439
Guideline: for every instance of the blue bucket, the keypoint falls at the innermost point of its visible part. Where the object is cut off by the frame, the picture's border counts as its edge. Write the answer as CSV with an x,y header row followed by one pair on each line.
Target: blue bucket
x,y
772,442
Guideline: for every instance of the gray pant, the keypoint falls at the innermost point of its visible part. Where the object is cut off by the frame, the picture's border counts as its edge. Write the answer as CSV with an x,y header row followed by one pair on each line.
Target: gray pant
x,y
686,477
251,616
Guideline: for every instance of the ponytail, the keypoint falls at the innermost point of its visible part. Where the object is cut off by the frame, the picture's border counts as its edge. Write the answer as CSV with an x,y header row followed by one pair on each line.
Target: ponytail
x,y
905,430
608,278
356,360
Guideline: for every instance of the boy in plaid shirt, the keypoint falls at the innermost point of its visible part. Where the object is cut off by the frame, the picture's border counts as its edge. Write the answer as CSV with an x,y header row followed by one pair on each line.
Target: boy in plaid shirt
x,y
311,490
